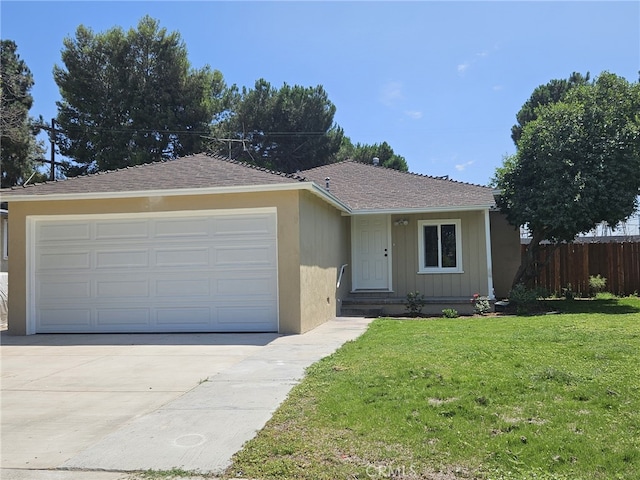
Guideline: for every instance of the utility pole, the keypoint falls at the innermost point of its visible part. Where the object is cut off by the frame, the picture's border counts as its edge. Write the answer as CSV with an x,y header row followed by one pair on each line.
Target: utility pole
x,y
52,159
52,139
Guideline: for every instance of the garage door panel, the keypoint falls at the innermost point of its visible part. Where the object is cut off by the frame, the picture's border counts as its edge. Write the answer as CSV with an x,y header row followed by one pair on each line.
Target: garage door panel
x,y
244,255
184,229
185,316
63,319
169,274
119,288
122,230
261,225
246,285
123,317
182,257
243,315
122,258
62,232
56,261
183,287
63,290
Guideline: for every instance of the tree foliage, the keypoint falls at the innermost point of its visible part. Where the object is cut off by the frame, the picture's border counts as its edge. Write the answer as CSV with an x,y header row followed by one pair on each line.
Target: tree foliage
x,y
577,164
366,153
18,145
285,129
132,98
552,92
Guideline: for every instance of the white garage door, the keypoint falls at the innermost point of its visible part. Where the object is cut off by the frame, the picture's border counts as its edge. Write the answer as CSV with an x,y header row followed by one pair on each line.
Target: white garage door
x,y
178,272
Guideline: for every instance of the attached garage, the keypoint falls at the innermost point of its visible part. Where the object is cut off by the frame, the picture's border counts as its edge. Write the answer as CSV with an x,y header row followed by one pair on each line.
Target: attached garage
x,y
179,271
196,244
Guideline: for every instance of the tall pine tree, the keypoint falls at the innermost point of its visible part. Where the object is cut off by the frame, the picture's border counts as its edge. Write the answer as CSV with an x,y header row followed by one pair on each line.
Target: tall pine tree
x,y
132,98
18,145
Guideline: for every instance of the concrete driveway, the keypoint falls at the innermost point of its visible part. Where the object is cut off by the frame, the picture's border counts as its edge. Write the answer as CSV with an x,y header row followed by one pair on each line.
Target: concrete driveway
x,y
130,402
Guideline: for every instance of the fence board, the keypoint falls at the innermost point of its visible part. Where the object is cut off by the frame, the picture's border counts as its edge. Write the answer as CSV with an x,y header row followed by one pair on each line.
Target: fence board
x,y
573,263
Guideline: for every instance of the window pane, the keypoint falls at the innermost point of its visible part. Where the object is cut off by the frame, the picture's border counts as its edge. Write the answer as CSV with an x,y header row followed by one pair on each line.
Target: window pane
x,y
448,246
431,246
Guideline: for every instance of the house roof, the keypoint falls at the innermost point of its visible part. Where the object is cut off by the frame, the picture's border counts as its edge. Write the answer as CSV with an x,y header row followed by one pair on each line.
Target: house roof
x,y
353,186
367,187
191,172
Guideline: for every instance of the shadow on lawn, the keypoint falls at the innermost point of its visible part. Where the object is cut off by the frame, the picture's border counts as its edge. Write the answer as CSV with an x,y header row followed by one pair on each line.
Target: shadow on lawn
x,y
608,306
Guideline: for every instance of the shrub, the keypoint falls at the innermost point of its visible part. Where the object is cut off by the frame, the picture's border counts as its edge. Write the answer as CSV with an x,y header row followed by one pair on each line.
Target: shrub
x,y
597,284
481,305
415,303
568,292
450,313
524,299
605,296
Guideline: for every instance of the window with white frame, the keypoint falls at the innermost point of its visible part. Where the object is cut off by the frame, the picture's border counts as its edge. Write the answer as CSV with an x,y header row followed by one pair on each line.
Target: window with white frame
x,y
439,246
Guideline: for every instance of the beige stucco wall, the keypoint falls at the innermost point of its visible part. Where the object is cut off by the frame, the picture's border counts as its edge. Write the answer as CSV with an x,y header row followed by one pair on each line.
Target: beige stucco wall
x,y
289,228
324,248
505,251
474,253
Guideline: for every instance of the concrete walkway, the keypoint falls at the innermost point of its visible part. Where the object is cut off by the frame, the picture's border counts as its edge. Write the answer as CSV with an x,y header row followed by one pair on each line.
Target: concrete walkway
x,y
195,428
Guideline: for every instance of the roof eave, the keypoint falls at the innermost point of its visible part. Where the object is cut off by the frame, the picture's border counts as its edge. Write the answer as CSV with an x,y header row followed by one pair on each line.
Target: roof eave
x,y
407,211
310,186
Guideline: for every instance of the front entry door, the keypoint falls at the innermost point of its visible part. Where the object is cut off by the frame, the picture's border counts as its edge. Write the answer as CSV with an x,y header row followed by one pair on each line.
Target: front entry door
x,y
371,252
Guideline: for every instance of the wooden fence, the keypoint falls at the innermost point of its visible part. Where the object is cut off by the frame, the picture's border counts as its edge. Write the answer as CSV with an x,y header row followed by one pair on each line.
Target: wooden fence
x,y
573,263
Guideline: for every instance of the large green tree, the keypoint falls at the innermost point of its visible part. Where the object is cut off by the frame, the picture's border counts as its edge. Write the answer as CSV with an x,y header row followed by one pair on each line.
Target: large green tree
x,y
366,153
132,97
551,92
577,164
18,145
286,129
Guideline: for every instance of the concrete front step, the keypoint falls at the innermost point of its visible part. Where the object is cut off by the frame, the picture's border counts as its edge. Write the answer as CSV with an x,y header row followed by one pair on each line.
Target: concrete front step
x,y
352,311
368,305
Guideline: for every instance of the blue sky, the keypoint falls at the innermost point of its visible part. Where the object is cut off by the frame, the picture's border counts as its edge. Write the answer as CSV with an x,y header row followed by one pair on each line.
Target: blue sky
x,y
441,82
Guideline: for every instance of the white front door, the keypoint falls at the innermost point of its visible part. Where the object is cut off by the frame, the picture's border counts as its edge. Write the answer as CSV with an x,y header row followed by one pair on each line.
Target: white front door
x,y
371,252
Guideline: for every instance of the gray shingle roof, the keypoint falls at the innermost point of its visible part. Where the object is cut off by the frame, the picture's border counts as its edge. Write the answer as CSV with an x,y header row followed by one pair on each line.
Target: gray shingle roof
x,y
191,172
367,187
359,186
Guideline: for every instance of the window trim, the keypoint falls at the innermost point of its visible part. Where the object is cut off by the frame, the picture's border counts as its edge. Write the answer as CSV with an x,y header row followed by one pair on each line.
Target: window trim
x,y
421,252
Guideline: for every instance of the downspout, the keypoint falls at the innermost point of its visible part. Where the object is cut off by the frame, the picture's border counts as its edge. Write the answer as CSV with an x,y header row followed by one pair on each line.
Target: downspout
x,y
487,234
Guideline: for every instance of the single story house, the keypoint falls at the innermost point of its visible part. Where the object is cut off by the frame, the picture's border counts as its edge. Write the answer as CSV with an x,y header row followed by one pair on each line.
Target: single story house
x,y
205,244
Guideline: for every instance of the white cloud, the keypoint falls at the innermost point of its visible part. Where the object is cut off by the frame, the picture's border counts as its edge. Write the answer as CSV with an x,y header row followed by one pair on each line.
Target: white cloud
x,y
497,88
414,114
463,67
391,93
461,167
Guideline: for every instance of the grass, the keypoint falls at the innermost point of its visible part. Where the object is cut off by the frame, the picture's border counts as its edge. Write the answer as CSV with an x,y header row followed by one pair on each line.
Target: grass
x,y
544,397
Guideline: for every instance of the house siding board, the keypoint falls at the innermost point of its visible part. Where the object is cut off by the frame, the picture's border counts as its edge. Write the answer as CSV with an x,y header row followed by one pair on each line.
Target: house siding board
x,y
405,255
288,240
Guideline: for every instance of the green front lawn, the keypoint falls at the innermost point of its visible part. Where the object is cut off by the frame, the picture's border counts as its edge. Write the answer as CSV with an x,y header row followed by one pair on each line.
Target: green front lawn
x,y
544,397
